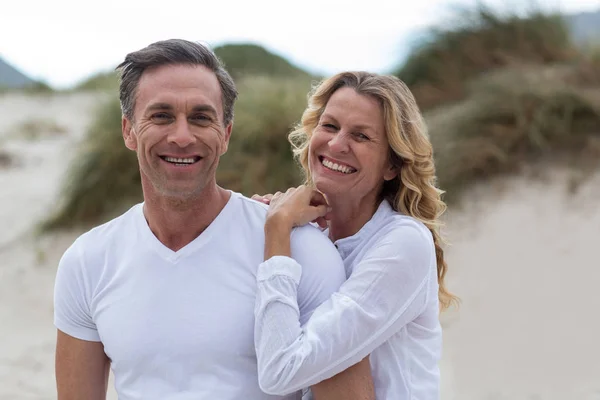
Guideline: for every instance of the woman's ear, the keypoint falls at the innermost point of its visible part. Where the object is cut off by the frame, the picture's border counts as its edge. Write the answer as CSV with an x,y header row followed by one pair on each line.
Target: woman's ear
x,y
391,172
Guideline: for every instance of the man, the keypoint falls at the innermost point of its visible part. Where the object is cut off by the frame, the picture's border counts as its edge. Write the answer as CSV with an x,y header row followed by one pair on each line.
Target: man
x,y
164,294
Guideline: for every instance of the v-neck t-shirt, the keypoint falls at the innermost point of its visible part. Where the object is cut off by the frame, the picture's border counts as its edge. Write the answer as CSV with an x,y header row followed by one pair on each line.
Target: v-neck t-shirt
x,y
180,324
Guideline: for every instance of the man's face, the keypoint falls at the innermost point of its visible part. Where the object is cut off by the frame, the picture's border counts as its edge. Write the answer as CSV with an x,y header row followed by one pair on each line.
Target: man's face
x,y
178,131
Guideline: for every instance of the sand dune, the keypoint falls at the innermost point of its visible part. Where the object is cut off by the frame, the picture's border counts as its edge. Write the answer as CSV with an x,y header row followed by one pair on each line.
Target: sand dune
x,y
522,258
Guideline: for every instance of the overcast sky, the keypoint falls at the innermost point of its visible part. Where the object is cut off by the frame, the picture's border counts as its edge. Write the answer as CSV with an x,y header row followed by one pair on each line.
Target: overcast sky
x,y
64,41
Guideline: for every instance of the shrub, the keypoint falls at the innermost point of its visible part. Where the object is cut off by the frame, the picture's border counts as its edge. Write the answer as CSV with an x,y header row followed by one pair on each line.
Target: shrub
x,y
481,40
515,117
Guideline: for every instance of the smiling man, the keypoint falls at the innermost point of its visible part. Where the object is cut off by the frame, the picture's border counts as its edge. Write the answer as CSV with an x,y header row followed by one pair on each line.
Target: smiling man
x,y
164,294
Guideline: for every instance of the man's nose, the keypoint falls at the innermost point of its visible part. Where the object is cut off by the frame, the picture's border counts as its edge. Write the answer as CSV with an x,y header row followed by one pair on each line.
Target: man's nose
x,y
181,135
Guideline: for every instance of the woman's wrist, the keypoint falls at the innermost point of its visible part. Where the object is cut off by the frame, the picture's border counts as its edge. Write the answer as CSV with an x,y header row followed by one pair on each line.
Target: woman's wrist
x,y
277,237
279,222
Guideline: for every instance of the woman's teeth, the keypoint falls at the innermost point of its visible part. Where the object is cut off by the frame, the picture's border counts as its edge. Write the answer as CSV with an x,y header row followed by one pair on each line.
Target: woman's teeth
x,y
336,167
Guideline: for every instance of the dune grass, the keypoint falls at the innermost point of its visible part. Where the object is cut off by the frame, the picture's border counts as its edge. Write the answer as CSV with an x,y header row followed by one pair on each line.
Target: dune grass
x,y
477,40
516,117
259,159
102,178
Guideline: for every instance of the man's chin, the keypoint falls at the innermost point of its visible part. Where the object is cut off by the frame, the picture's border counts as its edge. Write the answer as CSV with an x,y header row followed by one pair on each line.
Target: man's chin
x,y
178,192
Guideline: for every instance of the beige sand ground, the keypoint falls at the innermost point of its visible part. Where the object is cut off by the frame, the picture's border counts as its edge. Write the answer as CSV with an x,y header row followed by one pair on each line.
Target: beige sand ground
x,y
523,259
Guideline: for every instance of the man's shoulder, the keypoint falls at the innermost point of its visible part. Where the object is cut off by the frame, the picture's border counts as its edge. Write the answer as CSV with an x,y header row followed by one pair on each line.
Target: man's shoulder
x,y
250,212
315,252
98,238
250,205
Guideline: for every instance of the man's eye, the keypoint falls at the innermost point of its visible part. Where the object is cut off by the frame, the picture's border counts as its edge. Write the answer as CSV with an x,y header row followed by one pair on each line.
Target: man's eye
x,y
161,116
201,119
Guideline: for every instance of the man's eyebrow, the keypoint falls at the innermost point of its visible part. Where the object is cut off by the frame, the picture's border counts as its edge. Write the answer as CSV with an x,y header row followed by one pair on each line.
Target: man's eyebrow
x,y
159,106
168,107
205,108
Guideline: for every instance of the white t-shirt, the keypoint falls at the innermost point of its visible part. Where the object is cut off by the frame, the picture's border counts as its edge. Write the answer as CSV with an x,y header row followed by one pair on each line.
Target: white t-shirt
x,y
180,325
387,308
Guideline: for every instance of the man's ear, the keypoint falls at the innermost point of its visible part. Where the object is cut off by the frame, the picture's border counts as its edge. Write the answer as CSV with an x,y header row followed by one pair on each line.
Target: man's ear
x,y
128,134
226,138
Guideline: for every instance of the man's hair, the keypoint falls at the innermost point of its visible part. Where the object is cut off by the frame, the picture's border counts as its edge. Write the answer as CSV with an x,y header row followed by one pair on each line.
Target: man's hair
x,y
173,51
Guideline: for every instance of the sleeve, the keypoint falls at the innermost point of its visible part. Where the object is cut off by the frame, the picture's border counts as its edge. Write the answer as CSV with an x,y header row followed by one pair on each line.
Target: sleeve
x,y
72,297
387,290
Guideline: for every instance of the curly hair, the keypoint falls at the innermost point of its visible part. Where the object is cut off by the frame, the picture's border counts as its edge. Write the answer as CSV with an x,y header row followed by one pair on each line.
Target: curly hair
x,y
413,191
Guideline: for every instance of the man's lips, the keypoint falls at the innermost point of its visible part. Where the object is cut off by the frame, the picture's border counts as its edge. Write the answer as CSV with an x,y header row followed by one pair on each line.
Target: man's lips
x,y
181,160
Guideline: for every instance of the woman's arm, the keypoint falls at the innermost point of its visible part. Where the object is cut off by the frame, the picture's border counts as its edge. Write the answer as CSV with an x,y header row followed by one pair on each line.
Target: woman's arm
x,y
387,290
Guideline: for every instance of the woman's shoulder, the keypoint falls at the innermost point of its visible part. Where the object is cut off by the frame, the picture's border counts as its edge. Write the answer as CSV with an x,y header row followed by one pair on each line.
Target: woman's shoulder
x,y
398,225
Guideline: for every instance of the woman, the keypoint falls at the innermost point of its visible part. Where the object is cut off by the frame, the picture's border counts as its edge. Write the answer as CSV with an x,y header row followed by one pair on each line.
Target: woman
x,y
363,145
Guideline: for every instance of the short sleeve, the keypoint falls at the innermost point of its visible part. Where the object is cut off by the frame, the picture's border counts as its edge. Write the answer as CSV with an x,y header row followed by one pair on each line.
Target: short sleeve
x,y
72,297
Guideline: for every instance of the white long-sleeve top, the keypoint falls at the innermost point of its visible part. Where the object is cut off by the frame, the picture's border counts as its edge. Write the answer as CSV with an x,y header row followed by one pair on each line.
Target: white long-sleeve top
x,y
388,308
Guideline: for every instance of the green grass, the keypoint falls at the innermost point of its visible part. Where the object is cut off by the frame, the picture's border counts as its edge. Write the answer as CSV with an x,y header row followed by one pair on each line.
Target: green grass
x,y
516,117
243,60
259,159
103,177
479,40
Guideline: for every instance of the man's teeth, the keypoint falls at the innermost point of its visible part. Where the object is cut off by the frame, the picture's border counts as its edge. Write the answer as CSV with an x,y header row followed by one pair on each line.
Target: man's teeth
x,y
337,167
180,160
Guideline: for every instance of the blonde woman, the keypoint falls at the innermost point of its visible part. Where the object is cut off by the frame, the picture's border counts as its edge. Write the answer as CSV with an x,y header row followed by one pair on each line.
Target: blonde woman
x,y
370,172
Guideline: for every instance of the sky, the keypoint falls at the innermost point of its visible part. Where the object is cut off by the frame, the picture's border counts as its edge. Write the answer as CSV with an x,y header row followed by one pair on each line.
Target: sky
x,y
62,42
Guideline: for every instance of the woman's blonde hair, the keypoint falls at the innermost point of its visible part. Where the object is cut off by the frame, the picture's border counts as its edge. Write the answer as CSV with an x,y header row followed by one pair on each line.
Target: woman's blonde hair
x,y
413,192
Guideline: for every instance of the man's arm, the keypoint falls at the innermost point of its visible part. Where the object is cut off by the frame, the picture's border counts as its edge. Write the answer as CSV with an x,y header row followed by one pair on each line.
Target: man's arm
x,y
355,383
82,369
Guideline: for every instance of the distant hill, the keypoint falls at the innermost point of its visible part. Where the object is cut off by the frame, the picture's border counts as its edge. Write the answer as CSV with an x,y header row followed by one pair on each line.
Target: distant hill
x,y
239,59
585,27
11,78
249,59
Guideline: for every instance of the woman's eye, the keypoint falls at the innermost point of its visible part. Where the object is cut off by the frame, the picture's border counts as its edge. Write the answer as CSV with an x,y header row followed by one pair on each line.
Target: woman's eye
x,y
361,136
329,126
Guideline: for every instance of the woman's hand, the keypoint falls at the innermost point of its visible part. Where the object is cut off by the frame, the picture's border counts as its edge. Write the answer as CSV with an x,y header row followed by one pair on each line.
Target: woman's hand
x,y
296,207
265,198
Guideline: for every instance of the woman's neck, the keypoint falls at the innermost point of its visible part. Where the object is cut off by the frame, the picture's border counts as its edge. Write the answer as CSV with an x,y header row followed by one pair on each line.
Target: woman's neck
x,y
348,216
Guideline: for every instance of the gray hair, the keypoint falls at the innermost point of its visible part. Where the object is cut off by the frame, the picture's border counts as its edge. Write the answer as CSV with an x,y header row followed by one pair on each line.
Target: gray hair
x,y
173,51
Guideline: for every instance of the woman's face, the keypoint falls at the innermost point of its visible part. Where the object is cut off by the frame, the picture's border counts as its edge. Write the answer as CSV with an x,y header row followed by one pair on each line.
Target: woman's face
x,y
348,153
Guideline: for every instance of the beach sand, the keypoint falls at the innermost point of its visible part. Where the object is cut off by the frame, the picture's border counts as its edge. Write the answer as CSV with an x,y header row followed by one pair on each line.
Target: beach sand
x,y
523,259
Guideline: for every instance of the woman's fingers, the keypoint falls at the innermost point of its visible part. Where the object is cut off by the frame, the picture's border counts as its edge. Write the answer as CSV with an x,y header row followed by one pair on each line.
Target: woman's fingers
x,y
322,222
265,198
